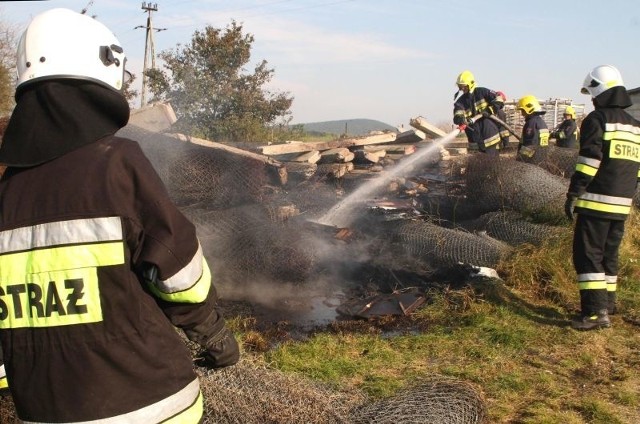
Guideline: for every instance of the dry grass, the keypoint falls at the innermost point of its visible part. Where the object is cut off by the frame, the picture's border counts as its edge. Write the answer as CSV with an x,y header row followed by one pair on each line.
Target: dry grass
x,y
509,339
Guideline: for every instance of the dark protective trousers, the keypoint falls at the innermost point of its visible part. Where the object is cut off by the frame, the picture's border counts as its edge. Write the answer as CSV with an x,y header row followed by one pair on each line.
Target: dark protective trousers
x,y
596,243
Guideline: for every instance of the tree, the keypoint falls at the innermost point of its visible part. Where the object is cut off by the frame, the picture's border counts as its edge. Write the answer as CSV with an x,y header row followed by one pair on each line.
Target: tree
x,y
127,87
7,64
211,92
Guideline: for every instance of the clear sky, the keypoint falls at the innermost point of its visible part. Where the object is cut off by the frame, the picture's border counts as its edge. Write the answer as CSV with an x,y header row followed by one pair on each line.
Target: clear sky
x,y
392,60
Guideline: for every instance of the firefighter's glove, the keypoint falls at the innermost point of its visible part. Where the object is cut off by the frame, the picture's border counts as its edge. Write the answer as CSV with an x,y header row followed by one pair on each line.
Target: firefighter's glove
x,y
221,351
569,205
486,114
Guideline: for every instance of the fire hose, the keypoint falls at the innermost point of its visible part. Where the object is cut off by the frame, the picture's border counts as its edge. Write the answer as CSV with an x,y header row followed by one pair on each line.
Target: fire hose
x,y
505,125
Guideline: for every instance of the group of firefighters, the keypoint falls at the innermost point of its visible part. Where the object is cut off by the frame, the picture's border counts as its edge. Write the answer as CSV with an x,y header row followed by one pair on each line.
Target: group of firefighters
x,y
479,112
98,266
603,185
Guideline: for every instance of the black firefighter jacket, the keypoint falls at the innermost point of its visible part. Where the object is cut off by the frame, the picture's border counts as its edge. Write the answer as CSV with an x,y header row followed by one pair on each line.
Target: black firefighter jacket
x,y
567,134
535,139
84,338
606,173
484,131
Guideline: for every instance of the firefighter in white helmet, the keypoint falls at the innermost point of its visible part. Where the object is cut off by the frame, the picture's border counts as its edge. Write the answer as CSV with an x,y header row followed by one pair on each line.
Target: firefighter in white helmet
x,y
476,101
535,134
600,194
566,134
97,265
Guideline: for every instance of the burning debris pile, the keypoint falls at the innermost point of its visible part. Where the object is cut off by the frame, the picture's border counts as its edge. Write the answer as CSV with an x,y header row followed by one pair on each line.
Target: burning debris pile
x,y
267,227
262,225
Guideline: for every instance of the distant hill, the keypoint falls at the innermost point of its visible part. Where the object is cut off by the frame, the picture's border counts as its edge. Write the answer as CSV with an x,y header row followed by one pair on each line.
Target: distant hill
x,y
353,127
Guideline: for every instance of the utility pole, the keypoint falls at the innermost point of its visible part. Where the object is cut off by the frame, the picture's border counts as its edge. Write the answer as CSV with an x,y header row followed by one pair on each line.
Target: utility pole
x,y
149,48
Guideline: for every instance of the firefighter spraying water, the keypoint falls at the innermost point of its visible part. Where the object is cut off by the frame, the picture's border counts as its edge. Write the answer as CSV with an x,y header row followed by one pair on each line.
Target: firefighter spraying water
x,y
342,214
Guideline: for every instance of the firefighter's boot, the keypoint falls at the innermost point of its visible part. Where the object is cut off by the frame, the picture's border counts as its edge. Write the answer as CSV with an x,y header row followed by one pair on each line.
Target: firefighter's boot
x,y
592,322
593,307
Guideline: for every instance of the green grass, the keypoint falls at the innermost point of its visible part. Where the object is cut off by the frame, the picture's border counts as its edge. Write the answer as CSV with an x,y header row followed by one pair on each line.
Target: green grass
x,y
510,339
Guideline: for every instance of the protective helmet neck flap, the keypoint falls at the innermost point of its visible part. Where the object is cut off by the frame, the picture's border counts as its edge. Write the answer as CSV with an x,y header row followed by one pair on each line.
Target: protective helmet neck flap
x,y
63,44
70,76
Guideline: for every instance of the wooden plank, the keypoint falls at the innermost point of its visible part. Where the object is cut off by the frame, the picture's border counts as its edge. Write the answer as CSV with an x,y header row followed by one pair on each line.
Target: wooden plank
x,y
422,124
155,117
335,170
309,157
300,171
411,136
278,149
341,154
365,156
277,166
393,148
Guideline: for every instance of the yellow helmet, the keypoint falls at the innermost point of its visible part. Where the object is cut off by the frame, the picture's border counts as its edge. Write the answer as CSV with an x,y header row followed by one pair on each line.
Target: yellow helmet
x,y
466,78
529,104
569,110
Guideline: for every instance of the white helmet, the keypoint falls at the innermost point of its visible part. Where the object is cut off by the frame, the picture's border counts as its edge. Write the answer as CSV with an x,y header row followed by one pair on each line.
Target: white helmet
x,y
61,43
601,79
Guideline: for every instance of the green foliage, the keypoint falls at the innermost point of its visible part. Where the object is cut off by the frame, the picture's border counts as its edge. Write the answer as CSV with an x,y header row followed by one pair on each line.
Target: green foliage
x,y
350,127
213,95
8,44
510,338
6,91
129,93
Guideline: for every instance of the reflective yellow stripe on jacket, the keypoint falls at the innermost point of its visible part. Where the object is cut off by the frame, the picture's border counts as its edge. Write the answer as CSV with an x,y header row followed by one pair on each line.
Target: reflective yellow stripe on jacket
x,y
48,272
625,141
189,285
587,166
603,203
544,137
166,411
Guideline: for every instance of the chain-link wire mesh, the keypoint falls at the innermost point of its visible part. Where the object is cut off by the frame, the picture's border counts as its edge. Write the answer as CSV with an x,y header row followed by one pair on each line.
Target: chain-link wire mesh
x,y
195,174
440,247
248,393
495,184
560,161
229,199
251,242
436,400
512,228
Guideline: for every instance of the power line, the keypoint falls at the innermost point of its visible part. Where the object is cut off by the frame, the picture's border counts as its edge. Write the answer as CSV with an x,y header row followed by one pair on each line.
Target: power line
x,y
86,8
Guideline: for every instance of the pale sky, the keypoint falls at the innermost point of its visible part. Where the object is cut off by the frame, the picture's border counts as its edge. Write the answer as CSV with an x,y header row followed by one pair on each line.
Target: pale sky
x,y
391,60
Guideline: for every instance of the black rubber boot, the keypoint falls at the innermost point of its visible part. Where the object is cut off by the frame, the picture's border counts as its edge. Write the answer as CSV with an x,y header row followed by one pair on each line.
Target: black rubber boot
x,y
592,322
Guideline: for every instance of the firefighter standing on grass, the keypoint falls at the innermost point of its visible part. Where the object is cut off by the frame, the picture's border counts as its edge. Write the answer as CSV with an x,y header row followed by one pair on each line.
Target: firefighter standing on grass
x,y
97,265
601,192
566,134
477,101
535,134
